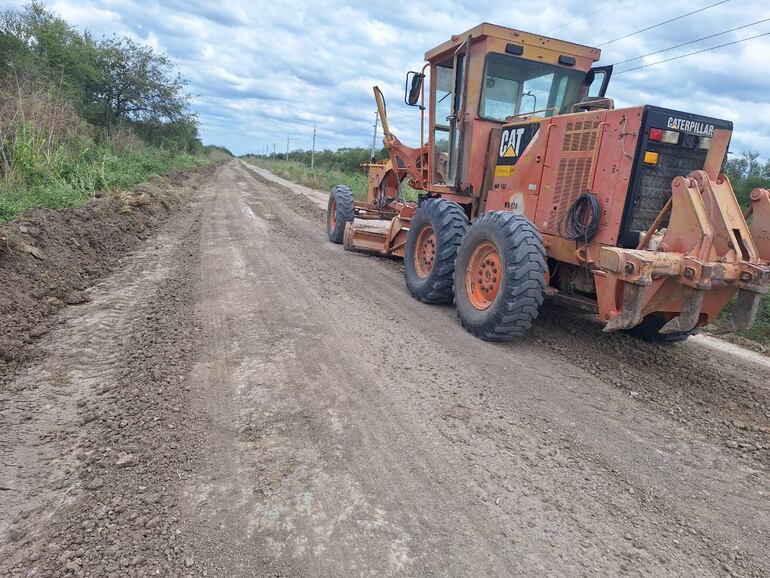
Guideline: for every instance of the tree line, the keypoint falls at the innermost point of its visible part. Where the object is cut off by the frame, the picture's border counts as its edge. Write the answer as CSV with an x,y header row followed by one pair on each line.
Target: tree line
x,y
113,83
346,159
746,173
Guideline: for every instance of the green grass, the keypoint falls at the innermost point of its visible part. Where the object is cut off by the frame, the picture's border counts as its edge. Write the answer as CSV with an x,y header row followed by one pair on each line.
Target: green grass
x,y
57,178
319,178
760,332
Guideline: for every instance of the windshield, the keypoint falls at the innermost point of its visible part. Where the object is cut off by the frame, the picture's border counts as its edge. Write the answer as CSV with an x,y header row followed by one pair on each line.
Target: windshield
x,y
513,86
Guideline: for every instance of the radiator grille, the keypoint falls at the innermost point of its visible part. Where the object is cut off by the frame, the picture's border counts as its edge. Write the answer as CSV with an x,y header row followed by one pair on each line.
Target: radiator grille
x,y
654,186
580,136
571,182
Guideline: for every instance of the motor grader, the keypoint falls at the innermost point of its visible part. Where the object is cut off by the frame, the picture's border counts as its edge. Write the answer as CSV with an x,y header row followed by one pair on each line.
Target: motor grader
x,y
531,184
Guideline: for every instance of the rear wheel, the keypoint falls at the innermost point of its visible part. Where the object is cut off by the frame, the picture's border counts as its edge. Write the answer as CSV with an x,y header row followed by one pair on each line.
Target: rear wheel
x,y
434,236
500,276
649,330
339,212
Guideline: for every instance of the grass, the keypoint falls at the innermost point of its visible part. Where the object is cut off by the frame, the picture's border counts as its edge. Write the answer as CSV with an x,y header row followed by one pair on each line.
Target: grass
x,y
760,332
319,178
322,178
57,177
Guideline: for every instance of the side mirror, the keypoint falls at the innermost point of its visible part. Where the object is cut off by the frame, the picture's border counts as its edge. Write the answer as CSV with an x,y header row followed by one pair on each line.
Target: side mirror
x,y
413,88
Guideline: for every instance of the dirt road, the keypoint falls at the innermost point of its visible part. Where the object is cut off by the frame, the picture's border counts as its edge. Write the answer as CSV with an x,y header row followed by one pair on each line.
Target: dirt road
x,y
242,398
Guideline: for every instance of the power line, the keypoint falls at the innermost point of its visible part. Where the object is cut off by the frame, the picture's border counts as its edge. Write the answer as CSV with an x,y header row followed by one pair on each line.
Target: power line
x,y
692,42
585,16
663,23
693,53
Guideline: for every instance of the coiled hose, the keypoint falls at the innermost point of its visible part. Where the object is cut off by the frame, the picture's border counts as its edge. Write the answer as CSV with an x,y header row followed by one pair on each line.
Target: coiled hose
x,y
581,221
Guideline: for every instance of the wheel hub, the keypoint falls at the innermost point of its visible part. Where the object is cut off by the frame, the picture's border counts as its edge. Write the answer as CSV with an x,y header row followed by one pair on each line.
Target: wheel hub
x,y
425,251
333,215
483,275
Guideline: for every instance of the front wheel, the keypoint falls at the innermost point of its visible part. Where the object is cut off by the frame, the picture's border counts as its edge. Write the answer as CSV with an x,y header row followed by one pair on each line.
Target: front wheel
x,y
339,212
500,276
435,233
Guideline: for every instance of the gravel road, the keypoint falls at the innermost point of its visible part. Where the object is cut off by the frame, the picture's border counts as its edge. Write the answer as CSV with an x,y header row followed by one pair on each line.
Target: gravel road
x,y
243,398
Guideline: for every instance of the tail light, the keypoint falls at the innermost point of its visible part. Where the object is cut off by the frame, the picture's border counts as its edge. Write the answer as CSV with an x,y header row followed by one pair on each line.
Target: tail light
x,y
665,136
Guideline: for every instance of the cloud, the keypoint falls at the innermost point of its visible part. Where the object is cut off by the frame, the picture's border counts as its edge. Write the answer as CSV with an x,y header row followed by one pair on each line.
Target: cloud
x,y
264,71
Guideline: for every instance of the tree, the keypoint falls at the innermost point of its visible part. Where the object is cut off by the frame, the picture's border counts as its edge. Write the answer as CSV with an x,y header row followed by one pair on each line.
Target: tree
x,y
136,84
38,44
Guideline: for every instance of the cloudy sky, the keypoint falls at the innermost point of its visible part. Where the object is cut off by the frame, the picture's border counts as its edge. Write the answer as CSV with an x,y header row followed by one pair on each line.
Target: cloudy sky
x,y
262,71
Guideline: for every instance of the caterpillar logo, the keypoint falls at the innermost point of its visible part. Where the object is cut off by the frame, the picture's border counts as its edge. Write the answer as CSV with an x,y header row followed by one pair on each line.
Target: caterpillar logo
x,y
510,141
513,142
691,126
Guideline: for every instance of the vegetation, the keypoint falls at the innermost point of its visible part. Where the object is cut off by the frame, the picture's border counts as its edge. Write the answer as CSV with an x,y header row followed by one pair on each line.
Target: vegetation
x,y
80,116
747,173
340,167
320,178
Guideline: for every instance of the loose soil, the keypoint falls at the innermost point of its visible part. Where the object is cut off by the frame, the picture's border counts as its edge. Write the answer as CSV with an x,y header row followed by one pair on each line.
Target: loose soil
x,y
242,398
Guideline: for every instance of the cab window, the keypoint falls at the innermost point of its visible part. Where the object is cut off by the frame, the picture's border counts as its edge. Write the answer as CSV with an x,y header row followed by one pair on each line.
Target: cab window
x,y
514,86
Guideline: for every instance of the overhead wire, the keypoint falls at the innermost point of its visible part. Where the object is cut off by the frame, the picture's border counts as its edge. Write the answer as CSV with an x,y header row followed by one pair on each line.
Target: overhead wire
x,y
658,25
693,53
585,16
701,39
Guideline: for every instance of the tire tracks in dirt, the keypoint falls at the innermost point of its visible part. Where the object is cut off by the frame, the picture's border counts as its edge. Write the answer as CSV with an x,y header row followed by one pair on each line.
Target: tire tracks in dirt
x,y
244,398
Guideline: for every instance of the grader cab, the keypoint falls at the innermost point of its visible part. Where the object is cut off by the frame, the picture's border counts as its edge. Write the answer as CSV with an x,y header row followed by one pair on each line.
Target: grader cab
x,y
530,183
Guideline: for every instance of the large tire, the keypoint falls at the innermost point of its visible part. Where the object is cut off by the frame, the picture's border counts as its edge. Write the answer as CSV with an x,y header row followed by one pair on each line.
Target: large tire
x,y
649,330
434,236
339,212
500,276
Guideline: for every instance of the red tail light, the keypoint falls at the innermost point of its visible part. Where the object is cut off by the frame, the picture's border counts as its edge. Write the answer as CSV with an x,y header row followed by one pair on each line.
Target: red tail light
x,y
656,134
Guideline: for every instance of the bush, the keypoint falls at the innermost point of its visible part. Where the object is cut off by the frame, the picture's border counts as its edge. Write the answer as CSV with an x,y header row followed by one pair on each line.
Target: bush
x,y
80,117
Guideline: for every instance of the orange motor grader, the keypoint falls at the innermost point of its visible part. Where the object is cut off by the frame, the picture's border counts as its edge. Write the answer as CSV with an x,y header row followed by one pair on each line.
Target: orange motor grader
x,y
532,184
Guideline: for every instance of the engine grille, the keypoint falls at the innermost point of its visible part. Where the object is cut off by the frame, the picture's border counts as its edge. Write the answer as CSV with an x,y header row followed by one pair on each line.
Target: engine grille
x,y
578,146
580,136
654,185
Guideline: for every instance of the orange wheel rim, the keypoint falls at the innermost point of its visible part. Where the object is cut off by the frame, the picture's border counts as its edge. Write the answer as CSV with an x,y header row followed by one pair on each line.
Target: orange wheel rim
x,y
482,277
333,214
425,251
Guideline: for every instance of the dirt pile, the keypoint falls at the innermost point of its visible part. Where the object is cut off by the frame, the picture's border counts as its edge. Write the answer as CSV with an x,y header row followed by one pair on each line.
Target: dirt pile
x,y
49,257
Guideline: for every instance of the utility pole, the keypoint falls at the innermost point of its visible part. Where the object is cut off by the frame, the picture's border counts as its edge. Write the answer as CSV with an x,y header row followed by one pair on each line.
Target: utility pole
x,y
312,154
374,136
273,149
287,148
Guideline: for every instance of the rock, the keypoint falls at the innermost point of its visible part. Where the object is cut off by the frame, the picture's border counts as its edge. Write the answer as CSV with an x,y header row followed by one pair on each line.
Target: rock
x,y
34,251
16,534
7,348
38,331
75,297
732,444
127,461
95,484
30,230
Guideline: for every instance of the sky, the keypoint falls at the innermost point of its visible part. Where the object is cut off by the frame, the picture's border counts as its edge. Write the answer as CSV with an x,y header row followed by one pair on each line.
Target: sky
x,y
264,71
